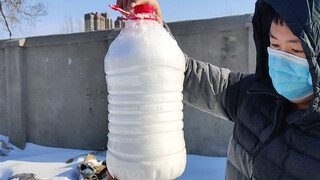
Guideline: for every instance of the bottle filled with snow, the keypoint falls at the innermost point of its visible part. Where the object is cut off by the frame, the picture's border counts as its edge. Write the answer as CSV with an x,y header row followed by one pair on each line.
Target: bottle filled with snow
x,y
145,72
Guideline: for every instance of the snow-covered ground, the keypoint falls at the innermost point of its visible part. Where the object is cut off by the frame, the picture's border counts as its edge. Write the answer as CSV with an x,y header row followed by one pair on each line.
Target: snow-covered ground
x,y
50,163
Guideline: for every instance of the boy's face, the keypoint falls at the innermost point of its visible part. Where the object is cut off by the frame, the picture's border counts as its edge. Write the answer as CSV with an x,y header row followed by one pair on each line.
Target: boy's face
x,y
282,39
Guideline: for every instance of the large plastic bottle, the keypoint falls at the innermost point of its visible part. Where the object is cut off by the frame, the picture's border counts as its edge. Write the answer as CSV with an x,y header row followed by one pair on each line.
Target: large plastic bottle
x,y
145,72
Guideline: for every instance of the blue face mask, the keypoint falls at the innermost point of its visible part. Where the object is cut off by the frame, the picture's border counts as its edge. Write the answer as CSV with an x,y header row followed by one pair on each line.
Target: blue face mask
x,y
290,75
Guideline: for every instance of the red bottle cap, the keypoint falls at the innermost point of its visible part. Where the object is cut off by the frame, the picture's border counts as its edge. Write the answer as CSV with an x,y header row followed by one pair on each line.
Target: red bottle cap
x,y
141,9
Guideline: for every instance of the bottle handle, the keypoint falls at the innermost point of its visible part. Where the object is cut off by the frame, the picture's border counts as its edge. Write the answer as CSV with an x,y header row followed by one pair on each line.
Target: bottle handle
x,y
123,12
128,15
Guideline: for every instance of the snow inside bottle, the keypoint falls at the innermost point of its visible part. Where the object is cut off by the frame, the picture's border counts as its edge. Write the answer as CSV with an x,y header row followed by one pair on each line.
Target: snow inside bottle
x,y
145,72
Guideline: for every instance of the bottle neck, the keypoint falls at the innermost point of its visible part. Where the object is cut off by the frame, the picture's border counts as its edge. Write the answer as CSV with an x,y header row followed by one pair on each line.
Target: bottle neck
x,y
145,15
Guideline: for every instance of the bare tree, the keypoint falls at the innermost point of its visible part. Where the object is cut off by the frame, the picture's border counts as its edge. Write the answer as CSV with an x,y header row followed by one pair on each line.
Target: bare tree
x,y
14,12
71,26
67,27
80,26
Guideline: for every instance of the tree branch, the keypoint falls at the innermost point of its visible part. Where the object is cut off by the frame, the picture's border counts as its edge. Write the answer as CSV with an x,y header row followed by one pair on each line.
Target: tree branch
x,y
20,10
5,20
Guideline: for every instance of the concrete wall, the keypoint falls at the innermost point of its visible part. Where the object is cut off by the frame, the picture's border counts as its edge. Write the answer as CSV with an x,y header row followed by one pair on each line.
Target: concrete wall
x,y
67,98
54,90
3,100
225,42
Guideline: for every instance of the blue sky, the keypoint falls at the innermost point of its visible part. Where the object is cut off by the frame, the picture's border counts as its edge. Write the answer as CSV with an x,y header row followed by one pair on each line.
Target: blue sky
x,y
172,10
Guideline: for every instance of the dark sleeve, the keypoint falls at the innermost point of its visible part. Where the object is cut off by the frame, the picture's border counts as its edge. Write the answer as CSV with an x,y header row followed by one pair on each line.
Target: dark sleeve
x,y
205,87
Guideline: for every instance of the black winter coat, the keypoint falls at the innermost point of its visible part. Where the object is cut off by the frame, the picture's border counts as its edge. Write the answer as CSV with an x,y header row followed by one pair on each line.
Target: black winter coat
x,y
268,143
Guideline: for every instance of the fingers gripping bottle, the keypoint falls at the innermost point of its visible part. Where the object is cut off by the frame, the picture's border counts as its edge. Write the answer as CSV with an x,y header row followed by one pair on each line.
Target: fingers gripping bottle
x,y
145,72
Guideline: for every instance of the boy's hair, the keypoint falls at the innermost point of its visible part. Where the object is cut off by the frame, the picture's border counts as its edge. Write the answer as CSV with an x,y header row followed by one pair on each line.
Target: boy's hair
x,y
276,18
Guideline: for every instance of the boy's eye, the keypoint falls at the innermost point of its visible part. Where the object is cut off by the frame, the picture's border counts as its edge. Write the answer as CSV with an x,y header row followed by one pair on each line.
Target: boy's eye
x,y
297,51
275,45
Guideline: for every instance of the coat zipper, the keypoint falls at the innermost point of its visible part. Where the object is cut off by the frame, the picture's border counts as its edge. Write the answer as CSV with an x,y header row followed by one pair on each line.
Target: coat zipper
x,y
278,97
274,116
